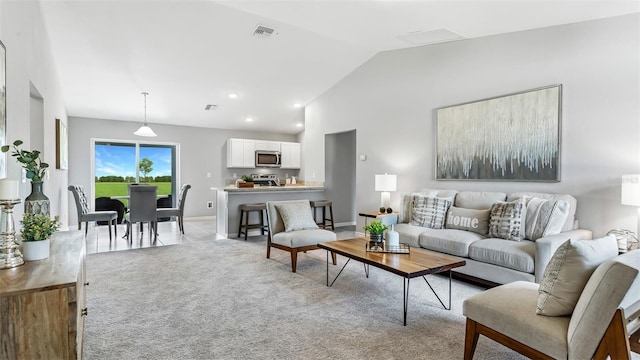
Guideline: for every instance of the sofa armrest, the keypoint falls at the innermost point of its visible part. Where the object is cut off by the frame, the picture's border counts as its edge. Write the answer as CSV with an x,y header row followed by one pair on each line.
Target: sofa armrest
x,y
547,246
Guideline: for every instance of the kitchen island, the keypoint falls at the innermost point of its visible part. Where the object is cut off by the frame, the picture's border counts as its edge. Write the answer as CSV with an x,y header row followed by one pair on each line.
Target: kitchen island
x,y
229,198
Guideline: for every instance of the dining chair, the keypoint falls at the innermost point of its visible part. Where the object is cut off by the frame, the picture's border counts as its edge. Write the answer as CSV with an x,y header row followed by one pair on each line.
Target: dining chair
x,y
178,211
142,208
84,215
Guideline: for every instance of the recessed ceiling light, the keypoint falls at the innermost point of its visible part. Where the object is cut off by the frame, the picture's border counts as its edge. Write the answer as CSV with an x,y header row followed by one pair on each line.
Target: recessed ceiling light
x,y
297,105
299,124
233,96
248,119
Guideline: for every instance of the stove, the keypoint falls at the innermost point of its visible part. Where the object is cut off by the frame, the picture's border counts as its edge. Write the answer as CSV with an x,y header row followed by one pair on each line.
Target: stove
x,y
266,179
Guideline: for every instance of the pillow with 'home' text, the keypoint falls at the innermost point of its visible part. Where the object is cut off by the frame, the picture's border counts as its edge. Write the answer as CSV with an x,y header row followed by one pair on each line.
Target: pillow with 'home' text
x,y
468,219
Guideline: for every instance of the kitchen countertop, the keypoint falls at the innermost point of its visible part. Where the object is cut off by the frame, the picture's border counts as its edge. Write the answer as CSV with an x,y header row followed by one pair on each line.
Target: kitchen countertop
x,y
285,188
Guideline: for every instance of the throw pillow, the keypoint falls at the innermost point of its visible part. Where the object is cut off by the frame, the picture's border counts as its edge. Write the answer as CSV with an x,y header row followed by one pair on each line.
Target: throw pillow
x,y
468,219
296,216
568,272
545,217
429,212
506,220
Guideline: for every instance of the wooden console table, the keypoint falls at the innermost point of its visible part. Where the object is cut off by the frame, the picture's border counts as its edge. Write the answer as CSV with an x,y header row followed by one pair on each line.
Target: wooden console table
x,y
42,303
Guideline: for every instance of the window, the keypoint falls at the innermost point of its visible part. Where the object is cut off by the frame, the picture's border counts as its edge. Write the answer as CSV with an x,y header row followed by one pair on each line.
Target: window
x,y
119,163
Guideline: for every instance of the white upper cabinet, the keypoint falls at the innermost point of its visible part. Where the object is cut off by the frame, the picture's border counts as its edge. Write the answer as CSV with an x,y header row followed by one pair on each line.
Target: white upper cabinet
x,y
290,155
267,145
241,153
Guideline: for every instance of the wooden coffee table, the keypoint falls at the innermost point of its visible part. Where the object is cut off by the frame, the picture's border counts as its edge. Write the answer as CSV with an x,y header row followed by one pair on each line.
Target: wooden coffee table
x,y
418,262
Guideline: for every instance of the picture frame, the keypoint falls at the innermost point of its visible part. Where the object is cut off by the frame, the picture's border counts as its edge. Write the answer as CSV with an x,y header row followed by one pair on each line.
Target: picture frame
x,y
513,137
62,146
3,108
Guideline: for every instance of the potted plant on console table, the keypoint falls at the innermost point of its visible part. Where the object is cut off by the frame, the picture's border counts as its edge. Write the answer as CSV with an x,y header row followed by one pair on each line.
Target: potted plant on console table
x,y
37,202
36,234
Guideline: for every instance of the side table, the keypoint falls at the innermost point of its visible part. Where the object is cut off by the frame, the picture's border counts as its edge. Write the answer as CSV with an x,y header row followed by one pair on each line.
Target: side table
x,y
385,218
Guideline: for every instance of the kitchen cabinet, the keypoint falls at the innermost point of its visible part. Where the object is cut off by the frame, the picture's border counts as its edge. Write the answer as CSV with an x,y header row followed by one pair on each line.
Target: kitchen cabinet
x,y
42,303
241,153
290,155
267,145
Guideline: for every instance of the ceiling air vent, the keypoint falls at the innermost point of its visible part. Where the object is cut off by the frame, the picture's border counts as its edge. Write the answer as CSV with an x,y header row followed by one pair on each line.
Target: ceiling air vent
x,y
210,107
263,31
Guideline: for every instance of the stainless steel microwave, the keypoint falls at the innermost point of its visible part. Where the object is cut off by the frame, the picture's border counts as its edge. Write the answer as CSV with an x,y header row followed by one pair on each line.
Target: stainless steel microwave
x,y
271,159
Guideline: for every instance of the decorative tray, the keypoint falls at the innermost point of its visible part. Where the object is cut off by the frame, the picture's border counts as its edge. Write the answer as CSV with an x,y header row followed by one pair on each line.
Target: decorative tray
x,y
401,249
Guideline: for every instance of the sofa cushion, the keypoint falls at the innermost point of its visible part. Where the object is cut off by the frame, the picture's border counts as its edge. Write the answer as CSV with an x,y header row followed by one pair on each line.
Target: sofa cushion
x,y
573,203
510,310
506,220
568,271
296,216
301,238
429,212
517,255
468,219
409,234
404,216
478,199
449,241
545,217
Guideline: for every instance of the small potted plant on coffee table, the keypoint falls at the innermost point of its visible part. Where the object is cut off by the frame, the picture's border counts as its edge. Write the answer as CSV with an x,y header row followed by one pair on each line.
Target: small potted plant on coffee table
x,y
375,228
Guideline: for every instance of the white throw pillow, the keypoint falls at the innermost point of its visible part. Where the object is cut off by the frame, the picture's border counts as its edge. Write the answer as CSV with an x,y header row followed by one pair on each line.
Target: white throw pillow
x,y
468,219
506,220
429,212
296,216
568,272
545,217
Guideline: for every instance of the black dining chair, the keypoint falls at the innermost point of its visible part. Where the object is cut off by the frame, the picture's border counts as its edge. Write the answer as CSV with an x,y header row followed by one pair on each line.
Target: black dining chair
x,y
142,208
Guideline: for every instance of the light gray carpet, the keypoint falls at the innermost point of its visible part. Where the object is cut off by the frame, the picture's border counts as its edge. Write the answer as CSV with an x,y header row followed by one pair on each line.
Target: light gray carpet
x,y
223,299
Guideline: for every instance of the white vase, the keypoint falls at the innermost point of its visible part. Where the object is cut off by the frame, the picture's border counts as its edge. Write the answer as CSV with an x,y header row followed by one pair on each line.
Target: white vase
x,y
35,250
393,238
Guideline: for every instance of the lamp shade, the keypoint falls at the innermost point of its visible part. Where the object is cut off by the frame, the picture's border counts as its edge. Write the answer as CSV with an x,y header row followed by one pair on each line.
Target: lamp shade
x,y
630,190
145,130
386,182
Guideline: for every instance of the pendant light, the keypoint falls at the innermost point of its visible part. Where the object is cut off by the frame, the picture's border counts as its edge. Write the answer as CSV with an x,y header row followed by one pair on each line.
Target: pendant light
x,y
145,130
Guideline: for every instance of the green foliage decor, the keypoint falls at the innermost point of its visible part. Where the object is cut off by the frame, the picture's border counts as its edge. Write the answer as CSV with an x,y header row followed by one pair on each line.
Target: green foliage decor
x,y
375,227
247,178
36,227
30,160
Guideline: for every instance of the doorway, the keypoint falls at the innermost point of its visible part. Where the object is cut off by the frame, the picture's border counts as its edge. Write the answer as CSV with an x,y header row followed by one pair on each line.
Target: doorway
x,y
340,175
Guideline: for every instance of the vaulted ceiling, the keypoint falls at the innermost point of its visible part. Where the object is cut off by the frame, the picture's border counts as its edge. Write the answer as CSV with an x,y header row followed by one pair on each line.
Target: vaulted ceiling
x,y
190,54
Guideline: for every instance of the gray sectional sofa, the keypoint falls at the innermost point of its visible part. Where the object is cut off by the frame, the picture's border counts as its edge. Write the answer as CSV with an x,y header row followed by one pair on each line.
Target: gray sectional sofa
x,y
494,260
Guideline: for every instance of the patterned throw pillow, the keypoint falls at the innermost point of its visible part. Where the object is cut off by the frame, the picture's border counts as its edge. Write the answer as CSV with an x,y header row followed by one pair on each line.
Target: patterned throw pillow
x,y
568,272
506,220
296,216
429,212
468,219
545,217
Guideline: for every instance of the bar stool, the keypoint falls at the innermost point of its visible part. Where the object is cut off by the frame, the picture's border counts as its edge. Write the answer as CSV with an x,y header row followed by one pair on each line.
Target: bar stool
x,y
245,209
324,204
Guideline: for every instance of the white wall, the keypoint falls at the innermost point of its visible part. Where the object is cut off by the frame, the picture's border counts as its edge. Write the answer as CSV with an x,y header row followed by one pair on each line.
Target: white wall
x,y
390,100
202,151
29,61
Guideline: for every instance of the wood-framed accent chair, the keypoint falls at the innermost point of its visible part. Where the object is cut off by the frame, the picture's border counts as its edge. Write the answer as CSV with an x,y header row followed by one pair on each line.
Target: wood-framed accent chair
x,y
178,211
606,312
298,240
84,215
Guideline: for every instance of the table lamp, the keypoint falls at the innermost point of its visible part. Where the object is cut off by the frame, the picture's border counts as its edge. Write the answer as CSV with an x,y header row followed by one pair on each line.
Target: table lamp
x,y
631,193
385,183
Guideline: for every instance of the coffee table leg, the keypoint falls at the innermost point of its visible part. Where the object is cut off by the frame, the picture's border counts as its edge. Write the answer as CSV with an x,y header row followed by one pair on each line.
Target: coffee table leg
x,y
436,294
366,270
405,300
336,278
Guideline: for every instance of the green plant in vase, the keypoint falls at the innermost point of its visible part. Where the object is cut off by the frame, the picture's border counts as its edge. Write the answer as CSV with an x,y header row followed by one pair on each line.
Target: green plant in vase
x,y
36,169
247,178
36,232
375,228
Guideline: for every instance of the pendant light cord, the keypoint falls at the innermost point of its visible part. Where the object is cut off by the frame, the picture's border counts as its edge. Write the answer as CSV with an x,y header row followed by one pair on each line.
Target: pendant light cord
x,y
145,107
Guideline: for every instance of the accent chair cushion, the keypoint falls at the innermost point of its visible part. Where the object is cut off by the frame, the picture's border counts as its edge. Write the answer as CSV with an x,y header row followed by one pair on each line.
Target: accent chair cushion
x,y
429,212
302,238
545,217
296,216
506,220
468,219
568,271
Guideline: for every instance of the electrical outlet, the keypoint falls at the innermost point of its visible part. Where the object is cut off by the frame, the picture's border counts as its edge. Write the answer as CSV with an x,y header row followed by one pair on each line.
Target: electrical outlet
x,y
209,204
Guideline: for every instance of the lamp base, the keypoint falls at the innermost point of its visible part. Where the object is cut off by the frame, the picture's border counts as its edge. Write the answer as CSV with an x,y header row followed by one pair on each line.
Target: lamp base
x,y
385,199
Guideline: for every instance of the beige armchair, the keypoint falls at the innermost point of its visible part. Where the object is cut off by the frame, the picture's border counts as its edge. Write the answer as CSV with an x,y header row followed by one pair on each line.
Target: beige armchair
x,y
298,233
606,312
